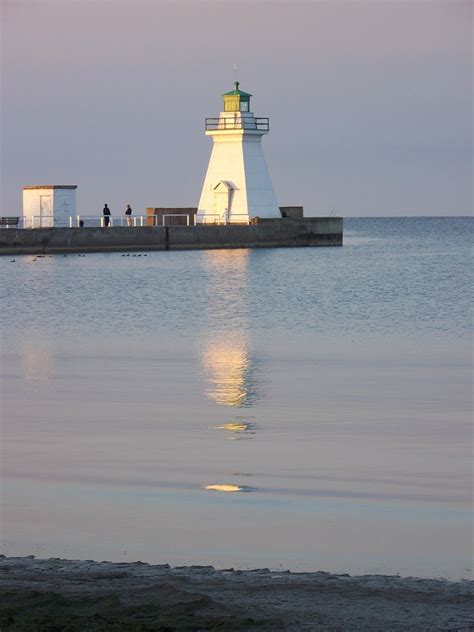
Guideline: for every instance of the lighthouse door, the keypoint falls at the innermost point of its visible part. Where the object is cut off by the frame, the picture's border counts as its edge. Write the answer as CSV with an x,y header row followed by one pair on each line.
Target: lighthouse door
x,y
221,199
46,211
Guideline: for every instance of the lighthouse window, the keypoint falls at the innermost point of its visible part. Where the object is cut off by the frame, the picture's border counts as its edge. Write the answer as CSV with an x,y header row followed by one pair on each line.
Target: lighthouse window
x,y
231,105
244,106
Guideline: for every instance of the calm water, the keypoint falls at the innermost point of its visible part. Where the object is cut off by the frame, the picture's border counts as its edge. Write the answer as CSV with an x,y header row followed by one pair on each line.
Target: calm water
x,y
329,386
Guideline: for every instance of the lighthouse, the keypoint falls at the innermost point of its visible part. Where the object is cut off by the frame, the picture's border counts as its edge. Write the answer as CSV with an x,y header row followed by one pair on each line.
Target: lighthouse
x,y
237,186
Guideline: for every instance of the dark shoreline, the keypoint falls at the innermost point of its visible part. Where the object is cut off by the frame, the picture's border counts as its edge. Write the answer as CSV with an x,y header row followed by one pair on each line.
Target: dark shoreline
x,y
56,595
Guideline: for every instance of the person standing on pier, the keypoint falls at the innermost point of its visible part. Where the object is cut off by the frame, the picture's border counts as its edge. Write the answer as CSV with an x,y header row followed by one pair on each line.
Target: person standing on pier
x,y
106,213
128,213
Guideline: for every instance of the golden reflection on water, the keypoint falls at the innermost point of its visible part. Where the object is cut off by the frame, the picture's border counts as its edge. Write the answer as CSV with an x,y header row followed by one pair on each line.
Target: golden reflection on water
x,y
227,275
233,427
223,488
238,429
228,370
224,261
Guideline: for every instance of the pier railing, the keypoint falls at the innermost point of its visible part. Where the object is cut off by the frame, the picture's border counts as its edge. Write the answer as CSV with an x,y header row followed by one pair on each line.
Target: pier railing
x,y
216,219
100,221
12,222
227,123
86,221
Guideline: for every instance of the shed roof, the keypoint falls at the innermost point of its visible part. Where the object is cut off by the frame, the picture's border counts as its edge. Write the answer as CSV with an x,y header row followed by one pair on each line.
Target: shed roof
x,y
51,186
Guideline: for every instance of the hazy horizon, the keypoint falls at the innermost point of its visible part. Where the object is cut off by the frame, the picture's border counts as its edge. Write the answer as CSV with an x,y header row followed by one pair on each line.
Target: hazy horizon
x,y
369,103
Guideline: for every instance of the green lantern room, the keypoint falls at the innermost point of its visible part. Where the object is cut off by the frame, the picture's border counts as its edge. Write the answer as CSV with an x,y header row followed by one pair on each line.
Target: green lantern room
x,y
236,100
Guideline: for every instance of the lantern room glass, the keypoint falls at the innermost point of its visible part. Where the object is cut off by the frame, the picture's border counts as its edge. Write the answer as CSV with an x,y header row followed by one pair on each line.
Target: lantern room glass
x,y
235,105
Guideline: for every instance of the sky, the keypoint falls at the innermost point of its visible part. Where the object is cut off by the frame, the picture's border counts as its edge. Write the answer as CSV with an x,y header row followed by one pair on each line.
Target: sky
x,y
369,101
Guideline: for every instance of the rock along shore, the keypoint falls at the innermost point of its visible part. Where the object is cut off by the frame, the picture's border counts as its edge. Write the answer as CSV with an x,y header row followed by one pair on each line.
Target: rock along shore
x,y
68,595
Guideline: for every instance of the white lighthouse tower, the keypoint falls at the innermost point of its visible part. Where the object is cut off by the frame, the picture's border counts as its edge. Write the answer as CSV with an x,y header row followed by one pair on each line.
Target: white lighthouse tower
x,y
237,186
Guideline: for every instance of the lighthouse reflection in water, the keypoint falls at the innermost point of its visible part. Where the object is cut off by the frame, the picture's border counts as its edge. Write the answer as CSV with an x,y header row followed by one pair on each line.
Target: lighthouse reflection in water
x,y
231,381
229,369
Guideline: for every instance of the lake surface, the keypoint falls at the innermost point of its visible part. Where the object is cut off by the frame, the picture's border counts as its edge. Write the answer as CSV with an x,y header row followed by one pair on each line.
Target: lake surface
x,y
330,387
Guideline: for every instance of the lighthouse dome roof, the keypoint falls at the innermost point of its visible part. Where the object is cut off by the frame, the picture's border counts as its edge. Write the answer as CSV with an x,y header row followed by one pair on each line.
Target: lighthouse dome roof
x,y
236,92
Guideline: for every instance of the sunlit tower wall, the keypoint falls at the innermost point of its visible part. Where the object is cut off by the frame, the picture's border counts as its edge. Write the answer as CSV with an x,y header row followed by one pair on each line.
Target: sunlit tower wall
x,y
237,186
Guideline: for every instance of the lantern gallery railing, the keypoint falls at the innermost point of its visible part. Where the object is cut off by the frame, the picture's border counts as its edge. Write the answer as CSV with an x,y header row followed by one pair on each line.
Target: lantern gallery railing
x,y
261,124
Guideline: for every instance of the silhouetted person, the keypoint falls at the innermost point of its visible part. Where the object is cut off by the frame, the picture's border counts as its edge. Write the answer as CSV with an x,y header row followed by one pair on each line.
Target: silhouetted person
x,y
106,212
81,223
128,213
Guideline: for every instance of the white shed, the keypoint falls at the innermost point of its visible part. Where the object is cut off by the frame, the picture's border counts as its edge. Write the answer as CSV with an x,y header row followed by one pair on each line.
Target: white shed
x,y
48,205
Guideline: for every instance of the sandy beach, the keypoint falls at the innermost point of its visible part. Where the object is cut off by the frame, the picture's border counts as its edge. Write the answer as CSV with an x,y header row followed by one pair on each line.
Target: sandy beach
x,y
58,594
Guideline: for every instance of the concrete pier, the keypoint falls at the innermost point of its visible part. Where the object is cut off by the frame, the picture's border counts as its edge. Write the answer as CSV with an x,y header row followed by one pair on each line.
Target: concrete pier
x,y
264,233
